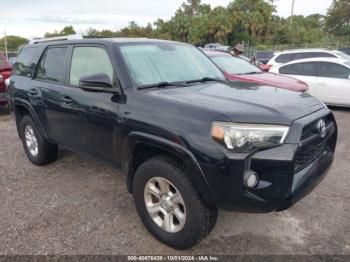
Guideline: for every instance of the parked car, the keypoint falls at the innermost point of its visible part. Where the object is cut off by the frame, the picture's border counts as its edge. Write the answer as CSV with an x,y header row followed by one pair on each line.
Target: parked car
x,y
188,140
217,46
238,69
5,73
264,56
291,55
328,78
345,50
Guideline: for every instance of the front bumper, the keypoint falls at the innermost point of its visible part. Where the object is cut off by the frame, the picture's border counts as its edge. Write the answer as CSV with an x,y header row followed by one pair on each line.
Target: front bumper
x,y
286,172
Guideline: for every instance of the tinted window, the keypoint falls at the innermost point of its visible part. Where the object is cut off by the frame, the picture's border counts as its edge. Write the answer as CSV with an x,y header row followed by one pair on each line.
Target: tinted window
x,y
302,69
333,70
89,61
321,54
52,65
26,61
284,58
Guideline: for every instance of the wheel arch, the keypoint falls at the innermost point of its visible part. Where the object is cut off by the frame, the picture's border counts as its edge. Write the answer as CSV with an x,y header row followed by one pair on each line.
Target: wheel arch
x,y
22,108
142,146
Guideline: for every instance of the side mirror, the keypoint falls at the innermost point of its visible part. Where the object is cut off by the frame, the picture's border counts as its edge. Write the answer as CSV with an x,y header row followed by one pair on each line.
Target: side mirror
x,y
97,83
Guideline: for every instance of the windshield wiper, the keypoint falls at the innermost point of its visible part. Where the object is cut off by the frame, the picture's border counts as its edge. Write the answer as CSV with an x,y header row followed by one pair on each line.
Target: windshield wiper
x,y
205,79
161,84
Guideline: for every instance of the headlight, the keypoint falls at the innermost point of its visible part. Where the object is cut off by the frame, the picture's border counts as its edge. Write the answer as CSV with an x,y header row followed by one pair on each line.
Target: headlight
x,y
247,137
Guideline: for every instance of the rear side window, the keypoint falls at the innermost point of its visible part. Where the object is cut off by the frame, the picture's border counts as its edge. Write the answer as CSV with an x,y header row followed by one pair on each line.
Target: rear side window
x,y
301,69
322,54
333,70
52,65
26,61
284,58
88,61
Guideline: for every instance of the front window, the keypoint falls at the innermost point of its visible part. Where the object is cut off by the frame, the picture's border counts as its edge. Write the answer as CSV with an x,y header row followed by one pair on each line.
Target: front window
x,y
152,63
89,60
234,65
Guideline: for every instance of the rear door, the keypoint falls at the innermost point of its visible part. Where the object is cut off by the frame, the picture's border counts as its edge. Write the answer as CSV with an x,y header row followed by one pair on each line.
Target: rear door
x,y
44,92
333,83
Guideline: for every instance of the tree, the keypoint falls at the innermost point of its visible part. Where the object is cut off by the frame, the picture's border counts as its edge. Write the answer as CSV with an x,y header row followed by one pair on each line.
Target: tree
x,y
13,43
338,18
67,30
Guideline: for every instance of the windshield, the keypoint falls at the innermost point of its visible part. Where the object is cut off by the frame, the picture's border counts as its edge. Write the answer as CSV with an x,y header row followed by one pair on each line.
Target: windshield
x,y
152,63
343,55
235,65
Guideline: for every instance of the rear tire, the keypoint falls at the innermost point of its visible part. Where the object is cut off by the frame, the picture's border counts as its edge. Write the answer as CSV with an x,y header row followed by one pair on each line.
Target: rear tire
x,y
38,150
198,218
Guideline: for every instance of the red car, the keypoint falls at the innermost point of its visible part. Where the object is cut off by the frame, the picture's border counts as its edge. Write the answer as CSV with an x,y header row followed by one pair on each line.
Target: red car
x,y
5,72
238,69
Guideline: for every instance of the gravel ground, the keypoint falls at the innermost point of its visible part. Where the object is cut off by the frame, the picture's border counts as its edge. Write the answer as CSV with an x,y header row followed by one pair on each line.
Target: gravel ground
x,y
78,205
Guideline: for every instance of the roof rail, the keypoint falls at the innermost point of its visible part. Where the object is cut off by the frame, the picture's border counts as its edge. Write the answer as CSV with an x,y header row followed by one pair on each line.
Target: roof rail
x,y
58,38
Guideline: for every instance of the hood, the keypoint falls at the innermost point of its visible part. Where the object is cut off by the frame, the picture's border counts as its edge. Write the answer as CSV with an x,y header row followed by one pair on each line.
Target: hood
x,y
271,80
244,102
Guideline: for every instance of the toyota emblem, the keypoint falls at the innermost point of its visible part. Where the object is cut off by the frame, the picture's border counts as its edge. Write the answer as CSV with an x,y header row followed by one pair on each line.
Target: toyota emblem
x,y
321,128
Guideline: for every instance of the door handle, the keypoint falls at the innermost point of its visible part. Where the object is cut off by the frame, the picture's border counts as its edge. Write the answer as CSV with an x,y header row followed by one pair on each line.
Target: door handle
x,y
66,100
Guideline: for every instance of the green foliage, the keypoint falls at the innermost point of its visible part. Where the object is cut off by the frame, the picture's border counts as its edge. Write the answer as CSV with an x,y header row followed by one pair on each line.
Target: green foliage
x,y
338,18
67,30
253,21
13,43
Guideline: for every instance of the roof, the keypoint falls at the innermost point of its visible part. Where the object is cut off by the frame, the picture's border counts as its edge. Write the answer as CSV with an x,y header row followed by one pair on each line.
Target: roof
x,y
99,40
210,52
317,59
307,50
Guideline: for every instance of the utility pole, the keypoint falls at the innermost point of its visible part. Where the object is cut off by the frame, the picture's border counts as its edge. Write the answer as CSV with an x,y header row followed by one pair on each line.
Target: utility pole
x,y
292,13
5,45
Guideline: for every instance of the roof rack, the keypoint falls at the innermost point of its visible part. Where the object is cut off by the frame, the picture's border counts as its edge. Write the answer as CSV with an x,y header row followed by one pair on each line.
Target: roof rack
x,y
58,38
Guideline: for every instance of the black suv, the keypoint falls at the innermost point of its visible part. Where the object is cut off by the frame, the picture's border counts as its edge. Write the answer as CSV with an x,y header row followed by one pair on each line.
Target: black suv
x,y
188,141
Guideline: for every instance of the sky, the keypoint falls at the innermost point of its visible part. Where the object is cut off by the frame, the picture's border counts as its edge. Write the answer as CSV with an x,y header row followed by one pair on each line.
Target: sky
x,y
35,17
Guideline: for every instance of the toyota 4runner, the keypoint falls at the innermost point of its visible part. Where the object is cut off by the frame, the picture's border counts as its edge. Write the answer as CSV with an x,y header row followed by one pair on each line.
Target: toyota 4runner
x,y
188,141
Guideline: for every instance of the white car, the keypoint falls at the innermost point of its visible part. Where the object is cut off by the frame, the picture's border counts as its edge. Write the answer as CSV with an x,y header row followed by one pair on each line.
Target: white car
x,y
291,55
328,78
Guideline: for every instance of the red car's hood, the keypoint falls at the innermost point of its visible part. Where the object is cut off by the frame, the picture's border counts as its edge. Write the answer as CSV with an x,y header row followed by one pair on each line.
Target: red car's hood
x,y
271,79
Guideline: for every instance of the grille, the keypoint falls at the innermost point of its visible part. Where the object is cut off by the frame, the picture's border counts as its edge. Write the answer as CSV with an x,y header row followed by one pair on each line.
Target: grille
x,y
305,158
310,129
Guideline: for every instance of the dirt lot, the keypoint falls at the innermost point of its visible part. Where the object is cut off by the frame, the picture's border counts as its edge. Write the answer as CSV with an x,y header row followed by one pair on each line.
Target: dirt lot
x,y
78,205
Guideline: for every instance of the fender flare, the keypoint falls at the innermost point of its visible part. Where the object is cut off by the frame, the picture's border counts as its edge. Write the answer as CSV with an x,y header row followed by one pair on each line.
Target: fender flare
x,y
29,108
179,151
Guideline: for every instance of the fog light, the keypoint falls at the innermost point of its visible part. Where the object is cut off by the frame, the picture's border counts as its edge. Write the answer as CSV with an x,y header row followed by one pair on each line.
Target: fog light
x,y
251,179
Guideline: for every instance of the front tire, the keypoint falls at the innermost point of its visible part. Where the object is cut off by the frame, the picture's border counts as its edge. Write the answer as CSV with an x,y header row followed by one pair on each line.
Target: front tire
x,y
38,150
169,205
